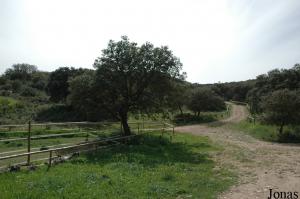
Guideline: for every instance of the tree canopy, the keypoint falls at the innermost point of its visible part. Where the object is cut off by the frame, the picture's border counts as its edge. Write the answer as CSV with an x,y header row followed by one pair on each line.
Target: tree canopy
x,y
58,85
274,80
20,72
131,78
282,107
203,99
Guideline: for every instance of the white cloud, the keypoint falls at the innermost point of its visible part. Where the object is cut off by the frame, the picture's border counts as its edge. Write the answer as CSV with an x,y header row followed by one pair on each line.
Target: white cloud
x,y
217,40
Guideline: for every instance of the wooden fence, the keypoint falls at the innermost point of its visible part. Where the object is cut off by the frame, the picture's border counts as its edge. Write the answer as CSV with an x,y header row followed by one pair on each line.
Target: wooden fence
x,y
69,149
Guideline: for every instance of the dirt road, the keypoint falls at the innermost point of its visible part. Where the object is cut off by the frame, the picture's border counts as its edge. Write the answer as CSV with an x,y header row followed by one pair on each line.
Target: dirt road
x,y
261,166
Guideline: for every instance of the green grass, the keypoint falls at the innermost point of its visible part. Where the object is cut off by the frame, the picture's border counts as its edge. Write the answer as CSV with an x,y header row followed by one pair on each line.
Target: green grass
x,y
44,132
206,117
10,100
257,130
98,131
20,146
269,132
187,118
148,167
55,140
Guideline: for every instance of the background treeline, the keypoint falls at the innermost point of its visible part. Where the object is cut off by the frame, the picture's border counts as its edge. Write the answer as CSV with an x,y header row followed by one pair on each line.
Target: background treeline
x,y
127,80
27,93
272,98
132,80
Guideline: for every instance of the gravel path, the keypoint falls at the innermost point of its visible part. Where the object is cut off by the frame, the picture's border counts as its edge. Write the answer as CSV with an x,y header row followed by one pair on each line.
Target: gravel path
x,y
261,166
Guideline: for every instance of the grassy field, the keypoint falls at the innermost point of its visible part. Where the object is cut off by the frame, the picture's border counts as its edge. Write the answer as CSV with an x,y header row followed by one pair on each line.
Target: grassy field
x,y
84,133
187,118
150,167
269,132
257,130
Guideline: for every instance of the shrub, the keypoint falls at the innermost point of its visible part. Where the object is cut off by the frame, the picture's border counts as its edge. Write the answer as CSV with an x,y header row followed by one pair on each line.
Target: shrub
x,y
282,108
28,92
202,100
187,118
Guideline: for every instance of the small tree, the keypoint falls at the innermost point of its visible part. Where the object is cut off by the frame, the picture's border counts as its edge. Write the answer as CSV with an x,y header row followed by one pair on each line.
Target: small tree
x,y
254,101
282,108
205,100
177,98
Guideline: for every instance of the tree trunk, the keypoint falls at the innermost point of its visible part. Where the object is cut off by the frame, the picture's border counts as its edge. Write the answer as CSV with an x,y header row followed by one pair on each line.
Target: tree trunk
x,y
281,129
180,109
198,114
126,128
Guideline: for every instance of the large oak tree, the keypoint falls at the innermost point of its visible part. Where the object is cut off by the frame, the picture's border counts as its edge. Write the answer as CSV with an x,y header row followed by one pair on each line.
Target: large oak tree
x,y
131,78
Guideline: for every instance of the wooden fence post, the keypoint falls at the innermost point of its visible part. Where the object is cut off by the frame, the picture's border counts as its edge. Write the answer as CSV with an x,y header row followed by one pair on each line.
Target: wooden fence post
x,y
87,137
50,160
28,143
163,130
143,123
121,128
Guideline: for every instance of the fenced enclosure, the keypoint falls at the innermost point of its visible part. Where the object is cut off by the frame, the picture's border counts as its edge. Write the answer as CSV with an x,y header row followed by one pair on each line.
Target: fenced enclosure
x,y
37,143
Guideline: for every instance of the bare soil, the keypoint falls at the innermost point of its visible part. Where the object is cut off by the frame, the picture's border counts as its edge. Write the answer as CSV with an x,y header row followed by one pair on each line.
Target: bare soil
x,y
260,165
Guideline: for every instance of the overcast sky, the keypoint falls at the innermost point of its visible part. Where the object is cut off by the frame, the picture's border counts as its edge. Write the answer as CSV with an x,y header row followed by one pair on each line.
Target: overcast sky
x,y
216,40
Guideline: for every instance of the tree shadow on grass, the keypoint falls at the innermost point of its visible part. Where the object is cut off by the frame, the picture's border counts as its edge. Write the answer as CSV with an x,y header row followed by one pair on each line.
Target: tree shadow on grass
x,y
150,151
216,124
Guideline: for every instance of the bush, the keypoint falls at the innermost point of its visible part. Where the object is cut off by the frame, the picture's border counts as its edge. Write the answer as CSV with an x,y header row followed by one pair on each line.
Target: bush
x,y
5,92
16,86
28,92
203,100
4,106
188,118
290,135
6,87
58,113
282,107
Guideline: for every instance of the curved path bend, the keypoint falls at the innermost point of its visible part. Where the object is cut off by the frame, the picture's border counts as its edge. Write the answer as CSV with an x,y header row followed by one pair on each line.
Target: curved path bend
x,y
260,165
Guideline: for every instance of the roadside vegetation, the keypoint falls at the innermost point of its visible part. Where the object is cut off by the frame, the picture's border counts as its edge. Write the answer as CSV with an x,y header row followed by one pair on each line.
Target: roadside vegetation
x,y
275,100
268,132
258,130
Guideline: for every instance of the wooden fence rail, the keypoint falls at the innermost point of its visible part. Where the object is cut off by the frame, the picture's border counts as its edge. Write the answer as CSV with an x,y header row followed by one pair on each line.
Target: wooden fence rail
x,y
41,136
140,129
66,147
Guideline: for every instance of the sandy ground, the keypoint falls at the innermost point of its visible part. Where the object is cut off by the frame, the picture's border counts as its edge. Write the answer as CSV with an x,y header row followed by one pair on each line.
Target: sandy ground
x,y
260,165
